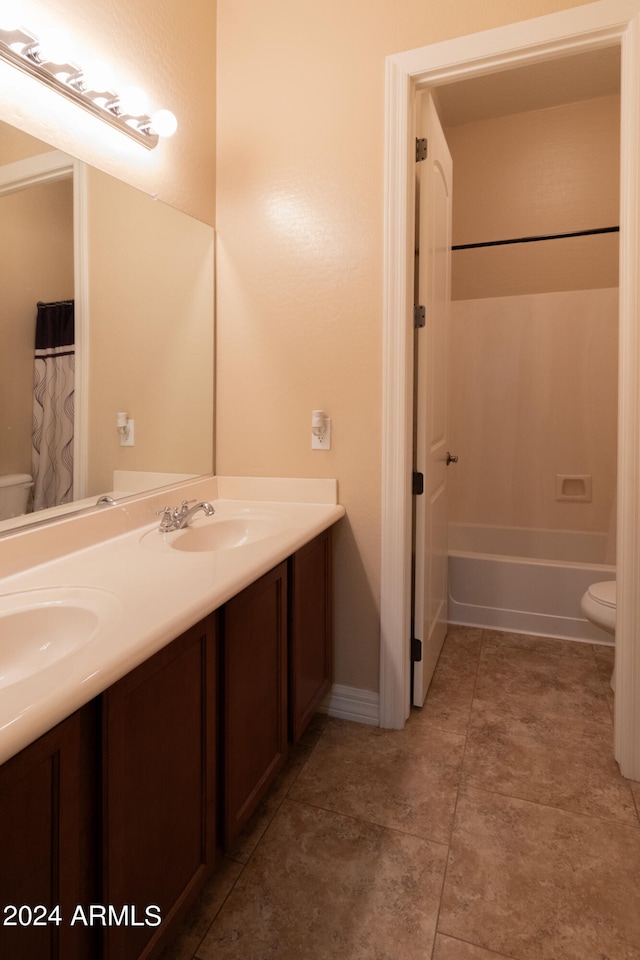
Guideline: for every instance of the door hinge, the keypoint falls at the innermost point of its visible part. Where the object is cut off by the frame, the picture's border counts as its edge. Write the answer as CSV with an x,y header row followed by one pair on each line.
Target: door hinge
x,y
421,149
417,484
416,650
419,315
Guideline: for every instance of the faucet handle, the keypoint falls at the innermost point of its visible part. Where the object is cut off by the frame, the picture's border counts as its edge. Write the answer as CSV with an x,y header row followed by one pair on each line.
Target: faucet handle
x,y
179,512
166,523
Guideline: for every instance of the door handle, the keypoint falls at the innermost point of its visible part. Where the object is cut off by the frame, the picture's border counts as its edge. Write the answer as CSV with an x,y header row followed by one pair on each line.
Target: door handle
x,y
451,459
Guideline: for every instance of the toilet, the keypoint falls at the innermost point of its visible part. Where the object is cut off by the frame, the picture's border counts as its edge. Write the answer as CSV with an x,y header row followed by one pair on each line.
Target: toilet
x,y
15,489
599,606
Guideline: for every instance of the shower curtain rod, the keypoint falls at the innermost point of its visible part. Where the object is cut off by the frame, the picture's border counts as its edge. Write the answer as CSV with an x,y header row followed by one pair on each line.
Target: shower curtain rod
x,y
551,236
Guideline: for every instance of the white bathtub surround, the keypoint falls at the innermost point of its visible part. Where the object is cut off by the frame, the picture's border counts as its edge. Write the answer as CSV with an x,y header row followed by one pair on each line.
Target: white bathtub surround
x,y
525,580
533,397
159,593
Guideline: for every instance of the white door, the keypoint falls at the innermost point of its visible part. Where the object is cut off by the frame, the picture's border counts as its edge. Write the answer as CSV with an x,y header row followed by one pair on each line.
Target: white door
x,y
431,455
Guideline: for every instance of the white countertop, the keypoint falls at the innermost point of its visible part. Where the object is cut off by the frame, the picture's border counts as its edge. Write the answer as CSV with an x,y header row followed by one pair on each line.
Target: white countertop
x,y
155,591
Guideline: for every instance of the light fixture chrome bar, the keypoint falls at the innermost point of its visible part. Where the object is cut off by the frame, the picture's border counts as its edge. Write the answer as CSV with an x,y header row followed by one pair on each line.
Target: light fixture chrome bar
x,y
22,50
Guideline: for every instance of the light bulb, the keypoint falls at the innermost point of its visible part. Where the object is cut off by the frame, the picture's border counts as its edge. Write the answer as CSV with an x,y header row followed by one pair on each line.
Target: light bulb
x,y
97,77
164,123
133,101
56,47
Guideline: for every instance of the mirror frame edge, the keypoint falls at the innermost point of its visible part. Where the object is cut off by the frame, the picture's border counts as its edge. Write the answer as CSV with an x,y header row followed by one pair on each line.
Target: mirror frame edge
x,y
82,333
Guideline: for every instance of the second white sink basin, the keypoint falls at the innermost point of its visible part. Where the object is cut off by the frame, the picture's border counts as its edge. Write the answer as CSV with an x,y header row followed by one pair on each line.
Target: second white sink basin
x,y
40,627
224,534
211,534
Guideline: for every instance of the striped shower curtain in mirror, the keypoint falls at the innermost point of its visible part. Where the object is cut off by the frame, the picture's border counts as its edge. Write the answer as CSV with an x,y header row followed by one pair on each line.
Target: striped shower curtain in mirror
x,y
53,387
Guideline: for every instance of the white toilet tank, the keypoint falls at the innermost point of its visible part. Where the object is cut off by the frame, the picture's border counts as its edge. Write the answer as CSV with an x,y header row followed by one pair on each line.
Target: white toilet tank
x,y
14,494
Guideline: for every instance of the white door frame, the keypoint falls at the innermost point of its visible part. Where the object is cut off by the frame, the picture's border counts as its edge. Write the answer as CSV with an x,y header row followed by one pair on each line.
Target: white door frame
x,y
599,24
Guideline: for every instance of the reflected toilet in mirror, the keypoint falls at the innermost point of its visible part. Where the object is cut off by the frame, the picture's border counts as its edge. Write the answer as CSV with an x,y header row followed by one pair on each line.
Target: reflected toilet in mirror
x,y
15,494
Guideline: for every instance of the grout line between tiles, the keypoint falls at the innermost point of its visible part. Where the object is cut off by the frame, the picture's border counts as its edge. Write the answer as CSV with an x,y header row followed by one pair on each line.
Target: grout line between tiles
x,y
455,806
550,806
217,913
371,823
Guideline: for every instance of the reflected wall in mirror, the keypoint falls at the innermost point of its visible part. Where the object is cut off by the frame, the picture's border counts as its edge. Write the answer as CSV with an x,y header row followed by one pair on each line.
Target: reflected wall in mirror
x,y
142,279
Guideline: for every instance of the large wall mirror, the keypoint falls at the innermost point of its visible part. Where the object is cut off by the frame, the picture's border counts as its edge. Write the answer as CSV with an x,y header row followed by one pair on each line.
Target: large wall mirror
x,y
140,275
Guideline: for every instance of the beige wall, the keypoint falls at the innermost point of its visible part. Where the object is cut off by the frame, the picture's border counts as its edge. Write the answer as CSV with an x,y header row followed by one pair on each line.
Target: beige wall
x,y
36,253
163,47
536,173
17,145
150,334
300,227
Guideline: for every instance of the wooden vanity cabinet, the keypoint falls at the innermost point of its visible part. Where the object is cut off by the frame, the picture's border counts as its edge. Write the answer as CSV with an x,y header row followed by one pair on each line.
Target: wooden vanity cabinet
x,y
48,843
159,788
254,696
310,631
119,806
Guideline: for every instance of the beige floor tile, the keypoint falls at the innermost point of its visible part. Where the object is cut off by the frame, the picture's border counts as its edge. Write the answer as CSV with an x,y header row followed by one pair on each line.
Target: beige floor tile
x,y
610,698
447,948
450,695
403,779
201,915
537,883
459,637
321,886
525,682
605,657
568,764
532,644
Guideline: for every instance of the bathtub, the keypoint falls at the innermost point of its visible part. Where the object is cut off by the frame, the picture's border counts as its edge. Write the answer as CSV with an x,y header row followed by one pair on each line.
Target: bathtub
x,y
525,580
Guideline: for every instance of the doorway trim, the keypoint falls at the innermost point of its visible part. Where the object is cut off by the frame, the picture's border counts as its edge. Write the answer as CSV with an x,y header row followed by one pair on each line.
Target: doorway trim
x,y
599,24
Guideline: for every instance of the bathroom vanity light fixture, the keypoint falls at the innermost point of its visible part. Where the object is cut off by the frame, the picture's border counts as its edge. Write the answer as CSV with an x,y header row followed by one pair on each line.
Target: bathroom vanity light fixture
x,y
126,111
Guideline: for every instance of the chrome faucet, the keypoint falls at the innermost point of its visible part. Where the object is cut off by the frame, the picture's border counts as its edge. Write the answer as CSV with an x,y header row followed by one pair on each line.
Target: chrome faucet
x,y
179,517
182,517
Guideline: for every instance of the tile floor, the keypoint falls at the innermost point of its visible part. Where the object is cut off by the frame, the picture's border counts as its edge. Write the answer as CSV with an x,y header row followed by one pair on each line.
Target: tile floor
x,y
495,826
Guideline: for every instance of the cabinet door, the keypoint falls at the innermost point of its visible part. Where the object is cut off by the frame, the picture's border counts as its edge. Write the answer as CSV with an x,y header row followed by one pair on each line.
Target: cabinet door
x,y
48,854
310,635
255,696
159,790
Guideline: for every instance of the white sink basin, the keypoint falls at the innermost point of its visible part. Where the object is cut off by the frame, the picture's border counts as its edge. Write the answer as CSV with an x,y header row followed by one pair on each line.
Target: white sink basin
x,y
210,534
40,627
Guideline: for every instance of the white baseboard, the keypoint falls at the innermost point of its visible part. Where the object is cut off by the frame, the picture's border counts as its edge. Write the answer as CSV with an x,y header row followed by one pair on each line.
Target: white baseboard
x,y
351,703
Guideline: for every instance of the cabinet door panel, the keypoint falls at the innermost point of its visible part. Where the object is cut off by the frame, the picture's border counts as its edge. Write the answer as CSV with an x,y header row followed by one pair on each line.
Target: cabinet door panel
x,y
159,788
255,696
48,849
310,640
